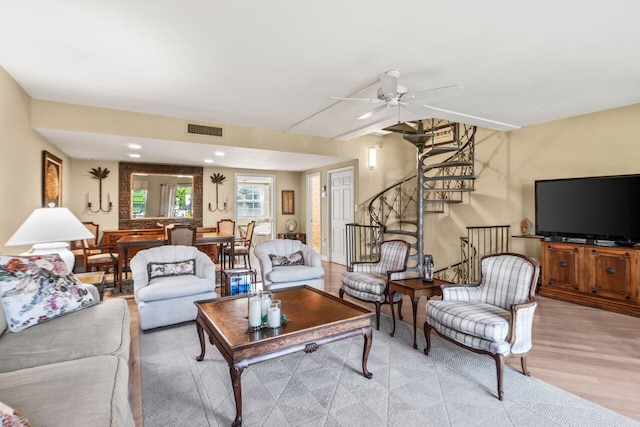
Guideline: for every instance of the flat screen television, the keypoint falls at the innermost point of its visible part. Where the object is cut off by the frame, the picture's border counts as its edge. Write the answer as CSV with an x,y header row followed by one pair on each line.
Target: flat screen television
x,y
595,208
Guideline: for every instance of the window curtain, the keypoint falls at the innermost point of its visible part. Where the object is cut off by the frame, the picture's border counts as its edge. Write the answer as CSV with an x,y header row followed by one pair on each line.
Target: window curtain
x,y
167,199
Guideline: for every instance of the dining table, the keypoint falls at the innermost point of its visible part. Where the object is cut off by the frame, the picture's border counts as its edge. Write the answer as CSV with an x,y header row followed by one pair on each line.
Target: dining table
x,y
125,243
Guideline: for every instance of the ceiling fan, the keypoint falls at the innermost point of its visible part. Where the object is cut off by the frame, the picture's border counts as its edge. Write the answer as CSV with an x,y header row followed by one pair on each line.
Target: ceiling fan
x,y
391,94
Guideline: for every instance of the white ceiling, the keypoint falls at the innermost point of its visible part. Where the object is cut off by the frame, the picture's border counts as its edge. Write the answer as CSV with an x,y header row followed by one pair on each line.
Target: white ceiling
x,y
274,64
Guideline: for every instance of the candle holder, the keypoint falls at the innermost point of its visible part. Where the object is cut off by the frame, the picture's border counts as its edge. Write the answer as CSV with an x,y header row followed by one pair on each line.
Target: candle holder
x,y
254,308
218,179
99,174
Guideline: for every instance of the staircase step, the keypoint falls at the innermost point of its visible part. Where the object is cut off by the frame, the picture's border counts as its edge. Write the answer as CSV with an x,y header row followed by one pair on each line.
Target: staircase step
x,y
412,221
449,190
434,212
439,150
451,164
449,177
448,201
401,232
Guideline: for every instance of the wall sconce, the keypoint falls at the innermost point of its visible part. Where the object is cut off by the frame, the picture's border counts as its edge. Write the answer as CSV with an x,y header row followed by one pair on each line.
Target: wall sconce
x,y
218,179
99,174
373,158
323,194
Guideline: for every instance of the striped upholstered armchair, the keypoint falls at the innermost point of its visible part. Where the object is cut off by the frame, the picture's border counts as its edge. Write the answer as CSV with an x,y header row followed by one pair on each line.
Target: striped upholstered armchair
x,y
369,281
493,317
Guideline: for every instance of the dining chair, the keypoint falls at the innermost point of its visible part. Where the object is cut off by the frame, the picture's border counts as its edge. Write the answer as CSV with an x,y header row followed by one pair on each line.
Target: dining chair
x,y
181,234
225,226
243,248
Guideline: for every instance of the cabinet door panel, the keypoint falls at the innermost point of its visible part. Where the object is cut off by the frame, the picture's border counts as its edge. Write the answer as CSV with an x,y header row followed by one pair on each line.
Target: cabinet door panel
x,y
562,267
610,273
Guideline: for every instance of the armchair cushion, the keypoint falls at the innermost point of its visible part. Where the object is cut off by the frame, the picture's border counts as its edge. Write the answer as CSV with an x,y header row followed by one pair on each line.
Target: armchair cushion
x,y
295,258
38,288
167,269
474,318
175,287
294,273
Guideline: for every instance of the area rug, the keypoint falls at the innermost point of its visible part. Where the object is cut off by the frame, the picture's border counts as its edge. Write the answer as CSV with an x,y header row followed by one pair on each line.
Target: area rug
x,y
450,387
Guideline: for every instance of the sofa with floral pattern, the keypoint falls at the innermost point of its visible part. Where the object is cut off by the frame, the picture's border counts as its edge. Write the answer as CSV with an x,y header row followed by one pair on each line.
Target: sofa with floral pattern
x,y
64,354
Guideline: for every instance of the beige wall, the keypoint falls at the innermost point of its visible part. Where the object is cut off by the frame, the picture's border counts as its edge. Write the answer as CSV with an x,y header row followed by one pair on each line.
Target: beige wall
x,y
21,161
507,164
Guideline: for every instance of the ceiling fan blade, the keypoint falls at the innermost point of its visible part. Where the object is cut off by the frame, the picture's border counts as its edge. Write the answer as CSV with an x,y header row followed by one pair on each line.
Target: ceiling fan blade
x,y
490,124
389,83
356,99
412,95
372,112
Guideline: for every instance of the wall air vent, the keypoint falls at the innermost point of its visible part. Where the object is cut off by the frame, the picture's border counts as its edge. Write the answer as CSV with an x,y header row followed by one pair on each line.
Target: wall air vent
x,y
203,130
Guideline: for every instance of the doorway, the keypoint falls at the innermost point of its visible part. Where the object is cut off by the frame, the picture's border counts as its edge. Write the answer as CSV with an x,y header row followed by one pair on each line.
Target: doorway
x,y
314,212
255,201
341,208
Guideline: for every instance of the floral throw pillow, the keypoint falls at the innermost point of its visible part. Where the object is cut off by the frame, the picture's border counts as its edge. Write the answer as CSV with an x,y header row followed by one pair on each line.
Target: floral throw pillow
x,y
166,269
12,418
37,288
282,261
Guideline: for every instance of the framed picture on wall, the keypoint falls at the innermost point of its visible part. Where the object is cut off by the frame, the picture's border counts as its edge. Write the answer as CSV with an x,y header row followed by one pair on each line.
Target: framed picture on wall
x,y
288,205
51,180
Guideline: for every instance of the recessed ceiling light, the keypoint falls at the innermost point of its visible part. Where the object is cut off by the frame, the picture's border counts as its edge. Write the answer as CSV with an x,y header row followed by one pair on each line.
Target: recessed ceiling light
x,y
208,161
219,153
134,156
134,146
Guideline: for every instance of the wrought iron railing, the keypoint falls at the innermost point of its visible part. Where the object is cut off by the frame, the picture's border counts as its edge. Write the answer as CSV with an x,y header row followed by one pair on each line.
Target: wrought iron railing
x,y
362,243
480,241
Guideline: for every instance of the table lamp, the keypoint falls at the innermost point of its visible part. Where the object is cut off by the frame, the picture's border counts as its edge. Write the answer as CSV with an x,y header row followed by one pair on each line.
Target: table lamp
x,y
49,230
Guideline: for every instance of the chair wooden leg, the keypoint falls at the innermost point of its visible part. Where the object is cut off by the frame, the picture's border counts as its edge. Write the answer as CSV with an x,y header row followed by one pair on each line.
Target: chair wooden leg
x,y
378,315
427,337
341,293
499,367
400,309
523,363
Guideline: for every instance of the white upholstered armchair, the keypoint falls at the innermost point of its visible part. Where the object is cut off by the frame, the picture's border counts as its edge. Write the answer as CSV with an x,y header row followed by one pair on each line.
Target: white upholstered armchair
x,y
493,317
287,270
166,282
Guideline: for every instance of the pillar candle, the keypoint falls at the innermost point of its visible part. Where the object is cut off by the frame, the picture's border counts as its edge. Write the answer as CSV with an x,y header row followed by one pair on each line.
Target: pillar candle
x,y
273,317
255,312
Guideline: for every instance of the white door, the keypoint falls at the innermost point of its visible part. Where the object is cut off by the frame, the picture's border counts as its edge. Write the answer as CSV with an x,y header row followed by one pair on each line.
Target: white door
x,y
341,209
314,219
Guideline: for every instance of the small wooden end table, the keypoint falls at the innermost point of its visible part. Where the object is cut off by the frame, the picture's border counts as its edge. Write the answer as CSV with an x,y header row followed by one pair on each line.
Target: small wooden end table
x,y
95,278
414,288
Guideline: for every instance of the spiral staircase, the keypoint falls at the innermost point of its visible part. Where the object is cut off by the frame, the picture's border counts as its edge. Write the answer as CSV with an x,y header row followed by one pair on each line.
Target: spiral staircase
x,y
445,164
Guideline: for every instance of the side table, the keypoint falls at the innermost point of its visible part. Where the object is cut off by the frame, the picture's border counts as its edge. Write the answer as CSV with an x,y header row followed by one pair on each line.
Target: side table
x,y
243,277
414,288
95,278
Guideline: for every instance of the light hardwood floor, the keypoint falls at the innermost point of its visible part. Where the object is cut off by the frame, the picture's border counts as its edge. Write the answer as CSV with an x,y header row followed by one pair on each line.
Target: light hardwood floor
x,y
589,352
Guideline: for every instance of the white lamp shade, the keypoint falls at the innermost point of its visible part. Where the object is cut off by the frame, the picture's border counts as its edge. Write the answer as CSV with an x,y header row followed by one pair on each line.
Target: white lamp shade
x,y
46,225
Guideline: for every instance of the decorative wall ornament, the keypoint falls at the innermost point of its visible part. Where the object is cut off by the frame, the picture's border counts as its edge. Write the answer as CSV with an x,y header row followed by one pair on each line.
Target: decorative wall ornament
x,y
218,179
99,174
51,180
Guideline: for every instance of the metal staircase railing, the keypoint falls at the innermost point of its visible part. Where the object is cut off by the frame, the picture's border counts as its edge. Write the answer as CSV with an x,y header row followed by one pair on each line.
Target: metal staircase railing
x,y
398,212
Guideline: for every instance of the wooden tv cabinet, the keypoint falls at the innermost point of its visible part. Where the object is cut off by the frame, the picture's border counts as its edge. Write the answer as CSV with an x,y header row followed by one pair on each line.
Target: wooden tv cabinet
x,y
597,276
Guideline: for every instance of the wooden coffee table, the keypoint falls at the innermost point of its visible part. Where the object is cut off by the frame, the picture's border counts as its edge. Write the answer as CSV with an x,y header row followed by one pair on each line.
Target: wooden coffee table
x,y
414,288
315,318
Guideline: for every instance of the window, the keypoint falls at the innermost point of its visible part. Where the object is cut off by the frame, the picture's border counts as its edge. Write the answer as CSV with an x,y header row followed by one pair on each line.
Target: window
x,y
139,203
253,201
